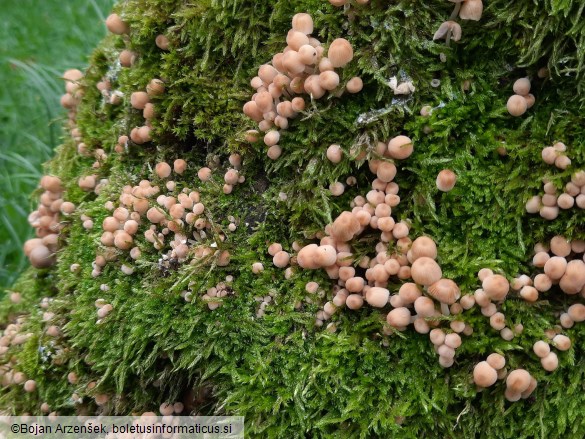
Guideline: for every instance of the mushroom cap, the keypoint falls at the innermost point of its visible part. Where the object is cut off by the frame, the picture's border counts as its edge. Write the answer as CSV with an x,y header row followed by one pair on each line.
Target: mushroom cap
x,y
398,317
328,80
573,280
355,284
541,348
516,105
496,361
425,271
345,227
340,52
446,180
518,380
445,291
409,292
306,257
577,312
550,362
281,259
424,306
530,389
522,86
325,255
115,25
302,22
437,336
354,85
471,10
386,171
354,301
484,375
496,287
555,267
377,297
453,340
41,257
562,342
423,246
400,147
560,246
445,28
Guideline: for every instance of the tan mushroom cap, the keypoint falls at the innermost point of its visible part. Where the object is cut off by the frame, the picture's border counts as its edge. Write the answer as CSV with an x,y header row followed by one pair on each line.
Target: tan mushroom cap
x,y
518,380
399,317
400,147
445,291
345,227
555,267
471,10
423,246
496,361
354,301
377,296
484,375
573,280
496,287
425,271
560,246
516,105
340,52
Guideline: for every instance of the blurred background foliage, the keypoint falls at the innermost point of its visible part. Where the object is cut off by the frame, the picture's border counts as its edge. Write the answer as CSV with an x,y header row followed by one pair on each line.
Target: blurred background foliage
x,y
39,39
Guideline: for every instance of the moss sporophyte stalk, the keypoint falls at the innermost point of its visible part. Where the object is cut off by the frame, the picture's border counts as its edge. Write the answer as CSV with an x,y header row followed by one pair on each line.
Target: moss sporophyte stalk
x,y
337,219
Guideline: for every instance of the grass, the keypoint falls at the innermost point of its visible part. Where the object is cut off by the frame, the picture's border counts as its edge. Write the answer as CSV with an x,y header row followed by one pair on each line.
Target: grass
x,y
38,41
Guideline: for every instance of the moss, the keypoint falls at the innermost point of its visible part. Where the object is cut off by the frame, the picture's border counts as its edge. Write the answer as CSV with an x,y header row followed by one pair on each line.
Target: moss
x,y
280,372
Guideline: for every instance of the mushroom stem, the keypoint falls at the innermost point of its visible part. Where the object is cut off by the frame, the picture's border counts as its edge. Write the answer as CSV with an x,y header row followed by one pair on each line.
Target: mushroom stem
x,y
445,309
448,38
455,11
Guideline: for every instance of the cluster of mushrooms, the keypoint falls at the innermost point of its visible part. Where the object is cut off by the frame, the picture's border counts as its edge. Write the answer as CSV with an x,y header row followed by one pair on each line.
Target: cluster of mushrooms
x,y
519,383
522,100
9,373
302,67
464,9
46,222
563,265
548,205
175,213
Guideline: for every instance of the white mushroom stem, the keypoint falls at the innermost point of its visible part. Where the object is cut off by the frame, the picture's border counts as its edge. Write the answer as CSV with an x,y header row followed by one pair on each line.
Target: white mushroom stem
x,y
444,306
454,14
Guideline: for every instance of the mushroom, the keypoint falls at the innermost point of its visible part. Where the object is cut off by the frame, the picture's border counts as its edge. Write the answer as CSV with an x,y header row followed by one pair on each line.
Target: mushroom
x,y
496,287
484,375
400,147
573,279
446,180
303,23
445,291
550,362
399,318
340,52
496,361
425,271
518,380
377,297
115,25
516,105
345,227
354,85
449,30
471,10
